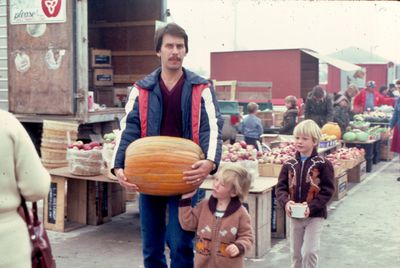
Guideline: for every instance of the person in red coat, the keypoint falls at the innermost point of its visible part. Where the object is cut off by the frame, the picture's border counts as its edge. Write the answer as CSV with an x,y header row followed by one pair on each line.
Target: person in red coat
x,y
369,98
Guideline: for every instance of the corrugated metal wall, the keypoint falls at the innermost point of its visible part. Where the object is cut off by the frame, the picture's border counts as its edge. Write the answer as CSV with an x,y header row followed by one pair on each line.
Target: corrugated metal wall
x,y
3,56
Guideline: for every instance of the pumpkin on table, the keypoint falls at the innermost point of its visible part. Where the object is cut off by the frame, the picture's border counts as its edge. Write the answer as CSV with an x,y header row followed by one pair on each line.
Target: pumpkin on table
x,y
332,128
155,164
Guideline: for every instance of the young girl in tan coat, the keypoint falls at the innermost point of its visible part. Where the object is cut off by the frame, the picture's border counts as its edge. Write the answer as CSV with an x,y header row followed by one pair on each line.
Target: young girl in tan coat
x,y
222,225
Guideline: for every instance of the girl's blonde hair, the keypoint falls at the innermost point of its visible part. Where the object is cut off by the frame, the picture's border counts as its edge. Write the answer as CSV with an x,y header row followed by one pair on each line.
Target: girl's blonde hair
x,y
237,175
308,128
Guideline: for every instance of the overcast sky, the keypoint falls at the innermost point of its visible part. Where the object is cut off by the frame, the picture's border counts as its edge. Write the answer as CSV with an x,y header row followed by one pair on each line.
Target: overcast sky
x,y
326,27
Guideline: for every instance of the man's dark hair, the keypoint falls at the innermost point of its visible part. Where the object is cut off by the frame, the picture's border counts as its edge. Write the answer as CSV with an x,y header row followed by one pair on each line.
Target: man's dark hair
x,y
382,88
318,92
171,29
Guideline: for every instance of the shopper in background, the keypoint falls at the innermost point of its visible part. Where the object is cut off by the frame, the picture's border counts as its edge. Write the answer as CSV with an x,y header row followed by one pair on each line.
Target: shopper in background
x,y
308,179
395,129
369,98
396,92
319,106
222,223
392,88
251,126
171,101
341,112
22,174
383,90
290,116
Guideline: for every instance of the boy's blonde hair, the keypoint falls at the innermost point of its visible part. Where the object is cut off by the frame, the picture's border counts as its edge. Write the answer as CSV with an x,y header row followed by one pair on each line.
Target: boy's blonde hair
x,y
308,128
252,107
237,175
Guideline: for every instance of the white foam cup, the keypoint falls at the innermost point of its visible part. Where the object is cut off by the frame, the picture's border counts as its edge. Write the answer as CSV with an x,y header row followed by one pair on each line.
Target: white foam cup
x,y
298,210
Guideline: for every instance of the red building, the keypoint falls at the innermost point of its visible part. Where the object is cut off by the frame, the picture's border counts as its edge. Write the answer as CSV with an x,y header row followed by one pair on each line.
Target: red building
x,y
376,68
291,71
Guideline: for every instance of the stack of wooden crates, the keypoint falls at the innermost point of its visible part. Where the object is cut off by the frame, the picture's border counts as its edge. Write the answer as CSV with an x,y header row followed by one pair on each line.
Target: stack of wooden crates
x,y
102,73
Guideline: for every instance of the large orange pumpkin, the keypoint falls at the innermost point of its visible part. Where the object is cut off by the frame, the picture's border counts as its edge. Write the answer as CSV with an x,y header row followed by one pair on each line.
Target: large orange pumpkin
x,y
155,164
332,128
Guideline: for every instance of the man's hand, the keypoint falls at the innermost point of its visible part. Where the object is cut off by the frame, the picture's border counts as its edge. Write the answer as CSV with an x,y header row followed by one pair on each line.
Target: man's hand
x,y
123,181
232,250
200,170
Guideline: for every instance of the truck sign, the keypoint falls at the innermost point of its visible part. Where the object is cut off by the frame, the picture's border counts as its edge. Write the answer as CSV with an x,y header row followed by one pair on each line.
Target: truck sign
x,y
37,11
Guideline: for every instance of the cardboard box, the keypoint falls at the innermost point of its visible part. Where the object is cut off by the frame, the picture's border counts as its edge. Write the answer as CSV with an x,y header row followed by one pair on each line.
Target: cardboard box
x,y
103,77
100,58
340,187
269,170
357,173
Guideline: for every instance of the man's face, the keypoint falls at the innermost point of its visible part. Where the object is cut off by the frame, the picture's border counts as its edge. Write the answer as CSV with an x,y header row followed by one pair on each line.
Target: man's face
x,y
318,99
172,52
370,89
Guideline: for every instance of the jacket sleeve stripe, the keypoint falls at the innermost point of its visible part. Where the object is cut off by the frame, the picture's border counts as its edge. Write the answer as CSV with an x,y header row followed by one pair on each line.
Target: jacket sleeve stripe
x,y
133,97
213,124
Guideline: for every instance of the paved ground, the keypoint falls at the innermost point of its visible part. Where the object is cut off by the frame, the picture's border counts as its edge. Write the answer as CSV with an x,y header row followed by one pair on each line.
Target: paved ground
x,y
363,230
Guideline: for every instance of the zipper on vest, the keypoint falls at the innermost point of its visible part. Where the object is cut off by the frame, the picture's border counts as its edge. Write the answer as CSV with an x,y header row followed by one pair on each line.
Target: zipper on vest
x,y
300,179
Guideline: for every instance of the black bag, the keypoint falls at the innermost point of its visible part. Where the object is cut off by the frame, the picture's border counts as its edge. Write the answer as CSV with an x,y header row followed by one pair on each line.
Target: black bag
x,y
41,249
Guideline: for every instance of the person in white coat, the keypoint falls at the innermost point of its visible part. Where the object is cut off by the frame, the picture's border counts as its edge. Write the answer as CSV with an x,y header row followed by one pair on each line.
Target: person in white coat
x,y
21,173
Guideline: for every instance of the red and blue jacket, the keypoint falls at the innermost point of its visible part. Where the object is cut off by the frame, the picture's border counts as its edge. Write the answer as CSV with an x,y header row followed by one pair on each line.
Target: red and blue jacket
x,y
201,118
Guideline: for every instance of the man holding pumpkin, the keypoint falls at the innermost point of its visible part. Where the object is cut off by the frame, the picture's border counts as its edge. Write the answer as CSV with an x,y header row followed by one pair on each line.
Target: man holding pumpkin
x,y
171,101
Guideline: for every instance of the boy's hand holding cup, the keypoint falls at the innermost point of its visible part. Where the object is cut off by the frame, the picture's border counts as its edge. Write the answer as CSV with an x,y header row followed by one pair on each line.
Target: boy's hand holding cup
x,y
297,210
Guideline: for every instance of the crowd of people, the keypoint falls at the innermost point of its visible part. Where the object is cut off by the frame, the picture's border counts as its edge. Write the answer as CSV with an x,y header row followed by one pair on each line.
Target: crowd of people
x,y
322,107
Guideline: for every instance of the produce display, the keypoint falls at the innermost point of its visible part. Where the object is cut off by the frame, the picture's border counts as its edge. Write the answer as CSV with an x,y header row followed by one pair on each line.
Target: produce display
x,y
244,154
85,159
374,116
345,158
108,148
370,133
156,164
279,155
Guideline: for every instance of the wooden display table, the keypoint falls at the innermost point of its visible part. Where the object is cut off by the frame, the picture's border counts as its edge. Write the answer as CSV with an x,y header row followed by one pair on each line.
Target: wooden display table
x,y
259,202
75,201
372,151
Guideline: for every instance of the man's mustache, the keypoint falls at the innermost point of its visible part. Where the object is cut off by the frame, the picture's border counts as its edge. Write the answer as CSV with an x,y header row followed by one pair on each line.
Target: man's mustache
x,y
175,58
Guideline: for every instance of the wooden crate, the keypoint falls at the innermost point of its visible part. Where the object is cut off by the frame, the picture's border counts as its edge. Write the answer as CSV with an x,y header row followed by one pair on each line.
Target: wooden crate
x,y
63,210
278,218
118,199
357,173
104,96
260,213
385,153
100,58
103,77
120,96
269,170
75,201
98,202
340,186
